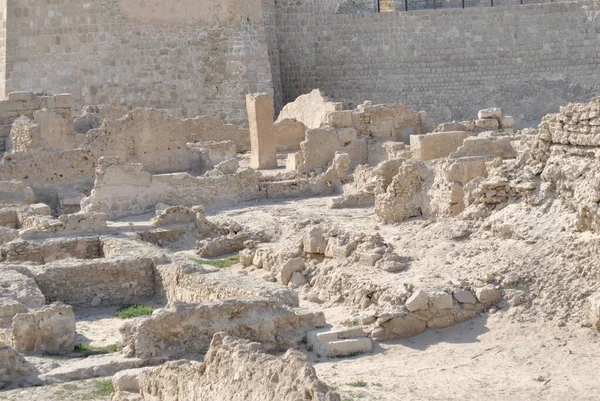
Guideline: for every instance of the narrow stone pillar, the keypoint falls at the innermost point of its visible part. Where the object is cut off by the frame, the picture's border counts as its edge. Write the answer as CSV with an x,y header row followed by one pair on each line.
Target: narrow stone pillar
x,y
263,146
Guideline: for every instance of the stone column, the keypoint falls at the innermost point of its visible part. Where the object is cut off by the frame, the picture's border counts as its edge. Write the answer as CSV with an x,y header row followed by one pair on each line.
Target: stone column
x,y
262,131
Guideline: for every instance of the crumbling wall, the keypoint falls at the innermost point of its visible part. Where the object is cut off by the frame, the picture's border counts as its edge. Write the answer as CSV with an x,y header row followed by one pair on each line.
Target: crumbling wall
x,y
158,139
48,329
46,130
234,369
188,328
310,109
115,281
125,189
20,104
559,162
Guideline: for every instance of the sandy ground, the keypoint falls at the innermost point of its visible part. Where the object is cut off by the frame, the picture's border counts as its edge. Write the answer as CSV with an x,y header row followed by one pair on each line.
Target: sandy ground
x,y
533,346
486,358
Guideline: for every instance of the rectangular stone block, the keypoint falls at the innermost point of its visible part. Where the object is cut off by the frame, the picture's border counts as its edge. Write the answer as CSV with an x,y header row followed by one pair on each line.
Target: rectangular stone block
x,y
342,348
436,145
20,96
63,100
263,144
340,118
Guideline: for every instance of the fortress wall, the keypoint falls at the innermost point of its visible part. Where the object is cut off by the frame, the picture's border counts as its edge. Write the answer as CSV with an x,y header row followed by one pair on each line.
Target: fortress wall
x,y
199,56
528,59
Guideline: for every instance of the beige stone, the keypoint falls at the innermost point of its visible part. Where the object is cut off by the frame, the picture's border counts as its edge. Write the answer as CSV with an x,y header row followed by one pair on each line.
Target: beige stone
x,y
493,112
49,329
488,123
436,145
262,131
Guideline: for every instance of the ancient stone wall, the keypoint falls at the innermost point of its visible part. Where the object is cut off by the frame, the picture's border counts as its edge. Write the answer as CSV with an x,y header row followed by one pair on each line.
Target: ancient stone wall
x,y
117,281
526,59
201,57
20,104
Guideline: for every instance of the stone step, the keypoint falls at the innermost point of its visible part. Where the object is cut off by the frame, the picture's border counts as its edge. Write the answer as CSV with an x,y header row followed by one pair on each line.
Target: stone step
x,y
339,342
342,348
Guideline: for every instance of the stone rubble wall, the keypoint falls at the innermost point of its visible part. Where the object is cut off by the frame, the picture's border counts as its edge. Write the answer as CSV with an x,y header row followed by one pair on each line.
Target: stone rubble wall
x,y
182,329
48,329
234,369
52,249
83,283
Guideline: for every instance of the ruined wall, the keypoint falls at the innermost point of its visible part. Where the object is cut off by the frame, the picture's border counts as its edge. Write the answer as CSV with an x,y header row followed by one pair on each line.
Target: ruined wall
x,y
199,56
527,59
116,281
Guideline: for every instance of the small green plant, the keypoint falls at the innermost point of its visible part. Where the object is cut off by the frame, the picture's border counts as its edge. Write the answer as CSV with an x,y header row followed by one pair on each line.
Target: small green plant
x,y
358,383
351,323
351,354
87,349
134,310
103,388
221,263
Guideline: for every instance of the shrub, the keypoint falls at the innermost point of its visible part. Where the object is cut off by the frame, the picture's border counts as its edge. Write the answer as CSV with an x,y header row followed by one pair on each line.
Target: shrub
x,y
134,310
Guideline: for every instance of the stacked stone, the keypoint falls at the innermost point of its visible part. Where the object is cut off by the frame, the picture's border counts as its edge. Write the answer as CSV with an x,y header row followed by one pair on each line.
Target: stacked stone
x,y
487,120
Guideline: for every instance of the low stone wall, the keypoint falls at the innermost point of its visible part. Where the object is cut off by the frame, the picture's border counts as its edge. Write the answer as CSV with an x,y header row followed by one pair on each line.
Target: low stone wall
x,y
82,283
232,367
195,284
52,249
188,328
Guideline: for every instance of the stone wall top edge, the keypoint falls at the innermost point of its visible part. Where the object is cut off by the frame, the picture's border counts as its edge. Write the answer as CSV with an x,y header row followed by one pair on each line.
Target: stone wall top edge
x,y
422,14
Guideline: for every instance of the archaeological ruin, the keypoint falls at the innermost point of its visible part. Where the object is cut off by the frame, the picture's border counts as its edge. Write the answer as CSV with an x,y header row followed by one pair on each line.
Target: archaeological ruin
x,y
335,200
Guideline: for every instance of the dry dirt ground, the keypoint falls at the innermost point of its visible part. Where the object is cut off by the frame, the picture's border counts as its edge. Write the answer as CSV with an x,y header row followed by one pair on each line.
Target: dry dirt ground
x,y
532,346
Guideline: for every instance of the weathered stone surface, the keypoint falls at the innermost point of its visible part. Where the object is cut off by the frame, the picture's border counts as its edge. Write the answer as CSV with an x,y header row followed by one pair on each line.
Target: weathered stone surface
x,y
419,300
493,112
262,131
49,329
188,328
233,367
436,145
487,295
311,109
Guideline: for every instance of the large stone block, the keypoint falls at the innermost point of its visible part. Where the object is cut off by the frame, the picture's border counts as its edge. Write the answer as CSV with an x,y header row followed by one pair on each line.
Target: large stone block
x,y
263,144
436,145
49,329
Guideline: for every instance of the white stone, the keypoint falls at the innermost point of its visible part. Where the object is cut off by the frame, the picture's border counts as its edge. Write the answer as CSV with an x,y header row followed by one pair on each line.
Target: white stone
x,y
487,295
464,297
314,240
419,300
440,301
494,112
507,122
488,123
341,348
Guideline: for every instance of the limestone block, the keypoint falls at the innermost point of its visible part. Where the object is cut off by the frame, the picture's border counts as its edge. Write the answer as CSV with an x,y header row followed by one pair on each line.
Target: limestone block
x,y
293,161
488,123
311,109
49,329
436,145
340,348
493,112
419,300
314,240
487,295
63,101
440,301
262,131
9,218
298,280
288,134
20,96
40,209
15,193
128,380
290,267
464,297
340,118
507,122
